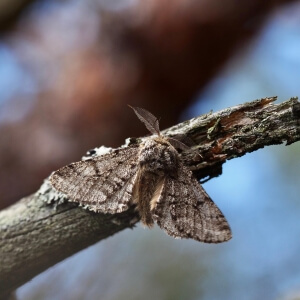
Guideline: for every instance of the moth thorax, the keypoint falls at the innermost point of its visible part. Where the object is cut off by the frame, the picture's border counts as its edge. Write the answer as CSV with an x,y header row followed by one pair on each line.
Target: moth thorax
x,y
158,156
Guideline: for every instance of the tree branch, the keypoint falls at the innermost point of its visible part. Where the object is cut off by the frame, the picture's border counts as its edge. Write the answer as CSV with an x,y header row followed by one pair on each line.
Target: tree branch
x,y
35,236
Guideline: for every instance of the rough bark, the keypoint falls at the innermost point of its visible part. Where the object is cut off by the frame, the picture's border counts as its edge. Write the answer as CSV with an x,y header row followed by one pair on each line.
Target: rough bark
x,y
35,236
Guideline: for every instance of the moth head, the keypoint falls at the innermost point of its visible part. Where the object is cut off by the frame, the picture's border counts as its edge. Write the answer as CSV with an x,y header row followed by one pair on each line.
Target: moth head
x,y
158,156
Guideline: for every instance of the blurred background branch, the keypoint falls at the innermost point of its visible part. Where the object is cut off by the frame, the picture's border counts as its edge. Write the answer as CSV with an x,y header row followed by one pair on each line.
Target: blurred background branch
x,y
35,236
11,12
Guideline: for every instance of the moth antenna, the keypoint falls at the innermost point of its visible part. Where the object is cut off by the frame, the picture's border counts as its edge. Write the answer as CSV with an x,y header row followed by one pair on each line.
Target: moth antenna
x,y
178,144
181,141
149,120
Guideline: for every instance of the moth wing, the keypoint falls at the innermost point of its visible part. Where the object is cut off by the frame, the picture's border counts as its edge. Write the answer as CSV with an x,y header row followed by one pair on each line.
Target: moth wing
x,y
184,210
103,183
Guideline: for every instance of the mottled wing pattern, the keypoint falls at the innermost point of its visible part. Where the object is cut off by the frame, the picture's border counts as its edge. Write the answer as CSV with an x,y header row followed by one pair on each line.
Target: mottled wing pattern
x,y
184,210
103,183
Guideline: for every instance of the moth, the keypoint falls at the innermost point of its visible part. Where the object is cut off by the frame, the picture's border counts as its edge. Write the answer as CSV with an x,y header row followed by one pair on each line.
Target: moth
x,y
151,176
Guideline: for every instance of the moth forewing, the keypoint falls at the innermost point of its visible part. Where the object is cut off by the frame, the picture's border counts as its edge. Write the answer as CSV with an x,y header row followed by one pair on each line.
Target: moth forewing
x,y
184,210
101,184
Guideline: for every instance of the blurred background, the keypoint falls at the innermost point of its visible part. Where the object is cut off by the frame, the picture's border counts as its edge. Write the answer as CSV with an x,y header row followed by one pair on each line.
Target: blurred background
x,y
69,68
